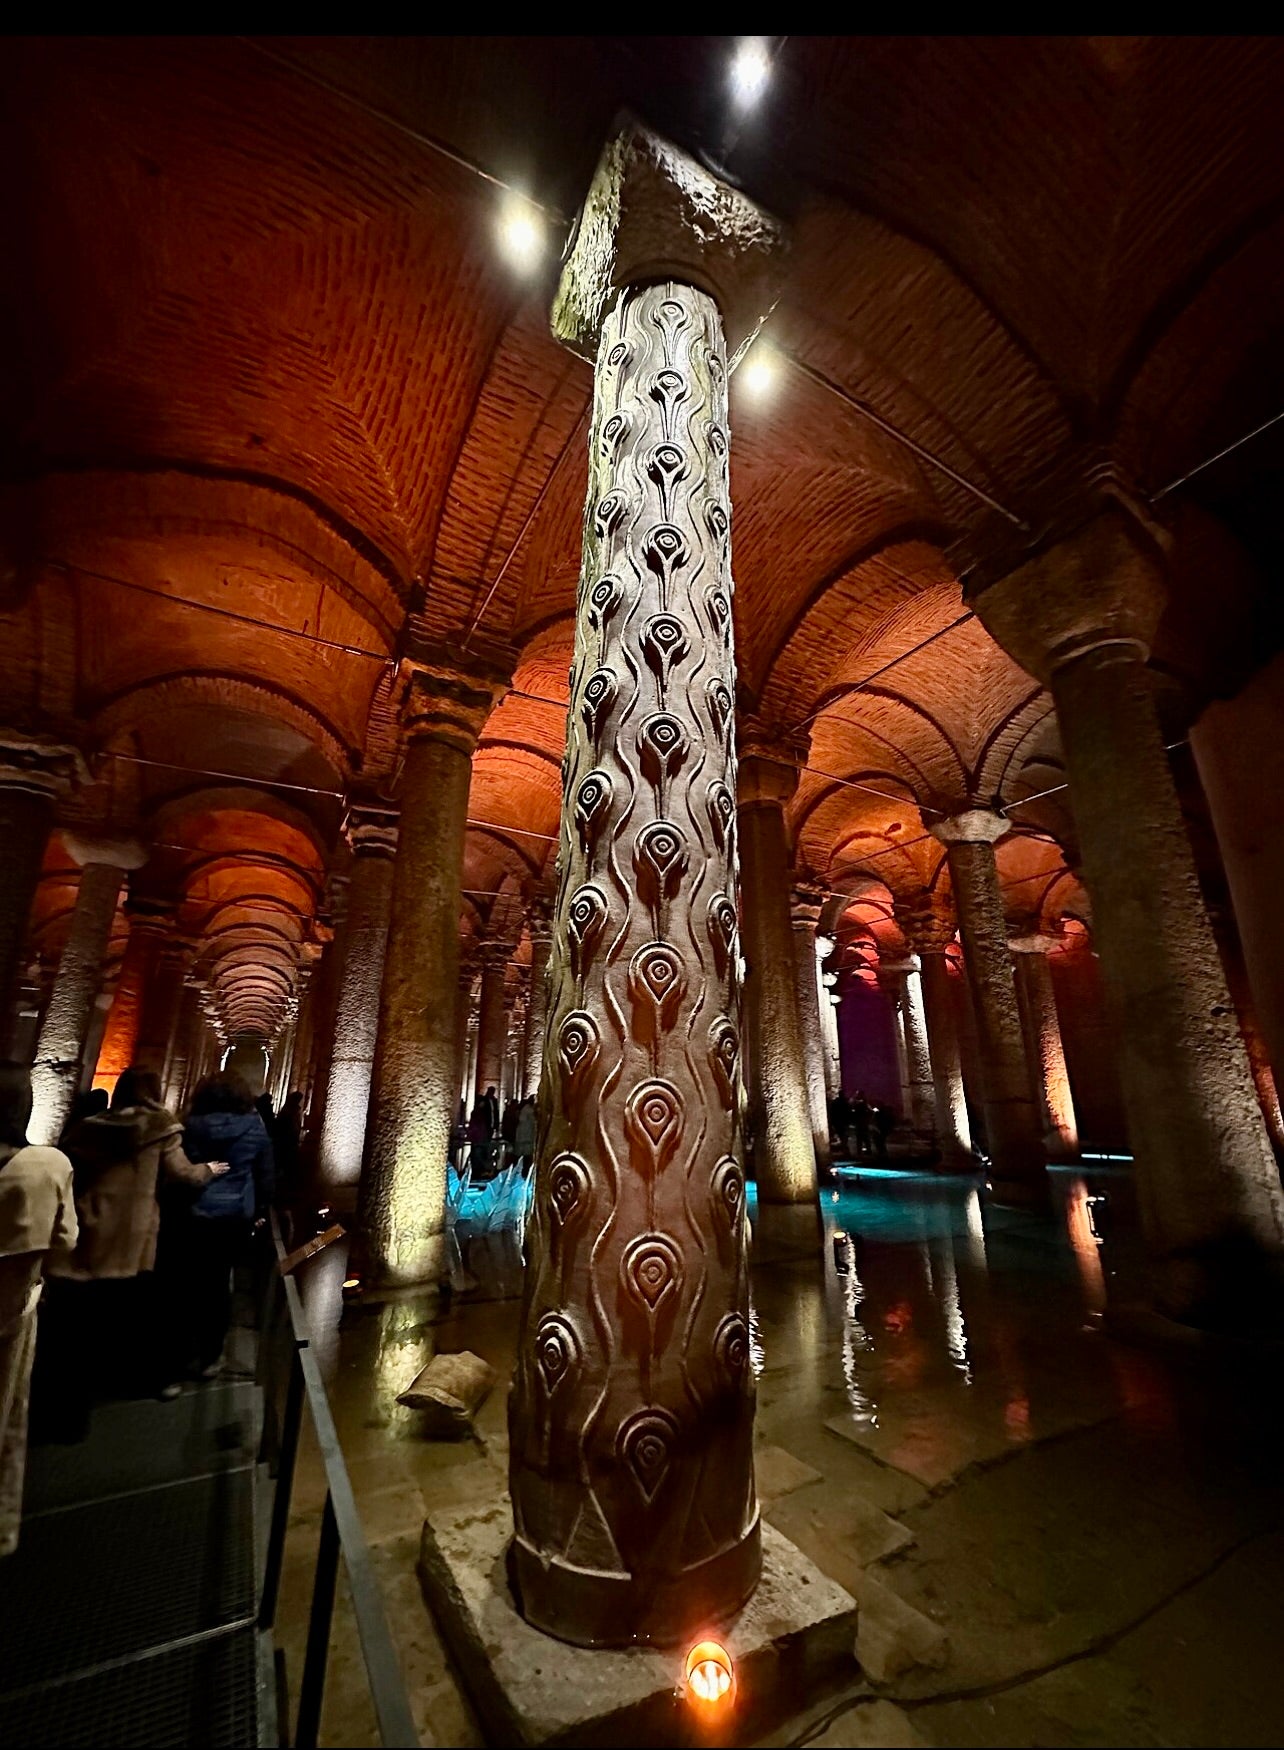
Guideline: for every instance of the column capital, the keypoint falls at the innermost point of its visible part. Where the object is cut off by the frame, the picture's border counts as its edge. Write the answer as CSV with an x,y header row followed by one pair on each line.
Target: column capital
x,y
496,953
652,213
970,826
806,902
770,762
151,917
1101,585
1031,942
85,848
928,926
370,827
39,764
449,693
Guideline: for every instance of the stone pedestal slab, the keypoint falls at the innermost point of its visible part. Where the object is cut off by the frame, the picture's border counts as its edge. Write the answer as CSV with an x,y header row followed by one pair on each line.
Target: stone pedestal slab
x,y
794,1638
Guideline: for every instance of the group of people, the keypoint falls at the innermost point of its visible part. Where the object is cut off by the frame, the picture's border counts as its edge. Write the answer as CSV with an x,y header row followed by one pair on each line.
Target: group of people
x,y
132,1227
859,1126
489,1140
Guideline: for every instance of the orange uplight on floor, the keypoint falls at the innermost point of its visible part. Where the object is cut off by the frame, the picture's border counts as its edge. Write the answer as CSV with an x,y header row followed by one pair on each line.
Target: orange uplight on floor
x,y
710,1677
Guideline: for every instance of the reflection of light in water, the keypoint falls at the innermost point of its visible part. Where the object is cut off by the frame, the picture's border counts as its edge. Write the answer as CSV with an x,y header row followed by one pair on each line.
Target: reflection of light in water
x,y
757,1355
856,1339
952,1314
1085,1245
975,1229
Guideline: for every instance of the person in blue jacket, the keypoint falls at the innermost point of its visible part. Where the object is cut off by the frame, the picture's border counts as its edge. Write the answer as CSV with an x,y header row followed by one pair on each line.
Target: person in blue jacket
x,y
204,1238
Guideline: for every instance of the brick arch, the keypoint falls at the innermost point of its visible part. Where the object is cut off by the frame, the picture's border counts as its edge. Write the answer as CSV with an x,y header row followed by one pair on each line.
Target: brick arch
x,y
152,698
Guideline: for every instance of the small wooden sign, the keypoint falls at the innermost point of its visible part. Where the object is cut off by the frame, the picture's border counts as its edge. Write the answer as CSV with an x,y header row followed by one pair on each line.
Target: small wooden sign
x,y
317,1243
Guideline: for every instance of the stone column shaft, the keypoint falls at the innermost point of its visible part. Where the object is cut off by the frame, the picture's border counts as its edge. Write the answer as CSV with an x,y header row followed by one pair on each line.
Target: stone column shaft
x,y
784,1153
953,1132
920,1093
55,1074
492,1025
1080,617
806,911
1044,1050
1016,1154
631,1418
829,1001
402,1208
31,775
537,1013
372,834
161,1000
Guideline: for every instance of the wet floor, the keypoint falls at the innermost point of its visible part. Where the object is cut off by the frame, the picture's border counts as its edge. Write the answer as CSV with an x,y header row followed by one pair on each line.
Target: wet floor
x,y
1091,1530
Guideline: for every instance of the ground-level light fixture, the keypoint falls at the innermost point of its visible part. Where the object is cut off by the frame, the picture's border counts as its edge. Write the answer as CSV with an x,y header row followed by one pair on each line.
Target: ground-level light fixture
x,y
750,70
710,1676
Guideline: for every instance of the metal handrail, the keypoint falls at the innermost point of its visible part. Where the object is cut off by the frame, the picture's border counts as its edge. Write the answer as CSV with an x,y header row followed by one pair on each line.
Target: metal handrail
x,y
341,1534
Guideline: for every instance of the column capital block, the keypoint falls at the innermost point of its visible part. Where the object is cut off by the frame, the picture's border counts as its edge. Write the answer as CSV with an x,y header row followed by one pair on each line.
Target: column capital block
x,y
1099,584
448,694
652,213
971,826
929,927
806,904
40,764
85,848
370,827
770,762
496,953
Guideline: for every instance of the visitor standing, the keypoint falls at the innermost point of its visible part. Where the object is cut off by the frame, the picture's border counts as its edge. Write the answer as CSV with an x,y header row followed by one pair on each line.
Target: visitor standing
x,y
202,1241
37,1223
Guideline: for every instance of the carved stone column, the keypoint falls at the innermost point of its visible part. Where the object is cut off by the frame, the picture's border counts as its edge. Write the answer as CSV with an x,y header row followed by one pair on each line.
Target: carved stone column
x,y
537,1013
1080,617
920,1096
930,935
1044,1051
806,906
1016,1153
631,1417
492,1024
371,832
402,1210
323,1002
55,1073
32,773
779,1114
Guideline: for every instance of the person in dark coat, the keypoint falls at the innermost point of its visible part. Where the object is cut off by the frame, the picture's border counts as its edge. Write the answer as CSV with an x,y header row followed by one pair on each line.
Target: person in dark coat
x,y
860,1110
203,1239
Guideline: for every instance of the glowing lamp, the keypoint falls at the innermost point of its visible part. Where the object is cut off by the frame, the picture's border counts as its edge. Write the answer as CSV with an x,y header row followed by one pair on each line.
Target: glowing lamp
x,y
711,1677
750,71
757,372
521,234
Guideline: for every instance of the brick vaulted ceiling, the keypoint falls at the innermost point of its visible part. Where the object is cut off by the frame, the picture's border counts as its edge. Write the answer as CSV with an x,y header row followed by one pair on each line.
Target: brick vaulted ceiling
x,y
271,387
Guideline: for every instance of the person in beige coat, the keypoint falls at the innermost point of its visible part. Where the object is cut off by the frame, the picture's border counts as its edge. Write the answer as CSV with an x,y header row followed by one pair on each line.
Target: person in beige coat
x,y
99,1322
37,1228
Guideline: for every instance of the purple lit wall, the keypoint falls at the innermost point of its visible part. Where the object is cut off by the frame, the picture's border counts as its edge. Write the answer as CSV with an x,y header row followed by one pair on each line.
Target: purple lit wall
x,y
867,1043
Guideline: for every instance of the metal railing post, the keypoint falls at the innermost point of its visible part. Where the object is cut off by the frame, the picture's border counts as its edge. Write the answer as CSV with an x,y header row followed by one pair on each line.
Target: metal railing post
x,y
281,1497
317,1657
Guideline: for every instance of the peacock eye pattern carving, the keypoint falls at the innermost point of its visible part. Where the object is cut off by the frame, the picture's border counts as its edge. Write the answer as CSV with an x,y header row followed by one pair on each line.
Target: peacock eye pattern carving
x,y
631,1373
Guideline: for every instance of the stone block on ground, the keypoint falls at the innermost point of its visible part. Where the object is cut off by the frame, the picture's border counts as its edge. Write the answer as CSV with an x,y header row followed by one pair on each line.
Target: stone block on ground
x,y
893,1637
778,1473
452,1388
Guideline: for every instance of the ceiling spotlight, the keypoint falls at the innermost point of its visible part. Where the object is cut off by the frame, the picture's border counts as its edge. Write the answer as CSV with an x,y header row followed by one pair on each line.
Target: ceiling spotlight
x,y
757,371
750,71
521,233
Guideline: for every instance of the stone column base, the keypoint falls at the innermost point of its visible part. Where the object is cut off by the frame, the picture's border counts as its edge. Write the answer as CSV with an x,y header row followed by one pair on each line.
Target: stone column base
x,y
794,1640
